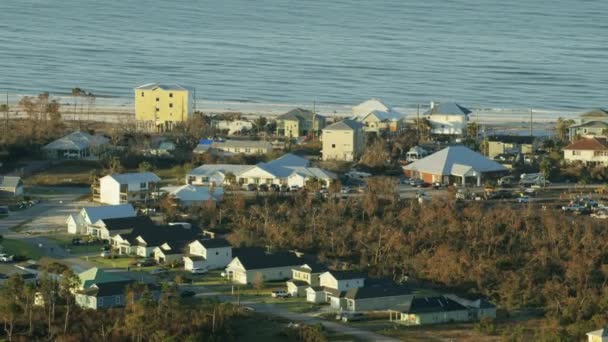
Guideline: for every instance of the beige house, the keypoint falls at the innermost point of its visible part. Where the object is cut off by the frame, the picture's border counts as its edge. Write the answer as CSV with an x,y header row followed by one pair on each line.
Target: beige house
x,y
590,151
304,277
497,147
377,297
434,310
299,122
598,335
343,140
592,123
253,264
377,117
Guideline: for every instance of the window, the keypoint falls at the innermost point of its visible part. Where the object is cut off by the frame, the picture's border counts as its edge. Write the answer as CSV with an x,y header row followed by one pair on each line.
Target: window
x,y
157,99
157,109
333,145
142,94
170,94
217,253
247,150
576,153
170,105
99,301
118,300
143,185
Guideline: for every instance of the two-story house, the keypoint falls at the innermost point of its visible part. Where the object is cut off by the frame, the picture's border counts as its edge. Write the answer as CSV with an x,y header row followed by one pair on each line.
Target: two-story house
x,y
333,286
591,123
447,119
343,140
303,277
81,222
377,117
254,264
106,228
299,122
208,254
127,188
591,151
142,241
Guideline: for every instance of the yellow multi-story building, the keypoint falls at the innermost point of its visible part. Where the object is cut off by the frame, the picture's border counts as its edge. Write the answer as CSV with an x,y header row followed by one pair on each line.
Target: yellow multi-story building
x,y
160,106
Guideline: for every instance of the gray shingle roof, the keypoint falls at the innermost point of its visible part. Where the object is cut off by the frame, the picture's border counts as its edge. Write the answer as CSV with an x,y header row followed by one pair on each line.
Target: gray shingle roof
x,y
454,159
433,304
448,109
109,211
215,243
344,125
77,141
377,291
163,86
298,114
135,177
257,258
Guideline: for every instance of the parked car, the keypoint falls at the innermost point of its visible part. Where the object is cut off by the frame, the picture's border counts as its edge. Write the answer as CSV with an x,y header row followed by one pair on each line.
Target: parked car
x,y
146,262
263,187
572,207
105,254
6,258
279,294
345,190
416,182
350,316
199,271
275,187
159,271
404,180
77,241
294,188
251,187
523,199
187,294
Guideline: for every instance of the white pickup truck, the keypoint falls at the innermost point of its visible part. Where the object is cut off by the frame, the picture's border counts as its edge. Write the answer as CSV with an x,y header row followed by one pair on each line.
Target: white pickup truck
x,y
6,258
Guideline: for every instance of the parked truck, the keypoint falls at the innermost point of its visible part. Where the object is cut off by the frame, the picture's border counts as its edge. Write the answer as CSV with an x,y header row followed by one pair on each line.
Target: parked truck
x,y
528,179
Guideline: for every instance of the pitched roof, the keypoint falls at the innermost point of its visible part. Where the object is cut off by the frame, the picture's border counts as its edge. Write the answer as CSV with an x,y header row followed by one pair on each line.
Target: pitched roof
x,y
345,275
10,181
242,144
454,160
448,109
290,159
344,125
377,291
77,141
157,235
600,333
215,243
313,172
385,116
194,193
122,223
98,276
107,289
209,169
109,211
257,258
134,177
298,114
433,304
163,86
594,113
312,267
368,106
589,144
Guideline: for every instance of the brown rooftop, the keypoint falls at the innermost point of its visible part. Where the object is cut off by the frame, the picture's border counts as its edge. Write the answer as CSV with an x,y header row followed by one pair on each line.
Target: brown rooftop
x,y
593,144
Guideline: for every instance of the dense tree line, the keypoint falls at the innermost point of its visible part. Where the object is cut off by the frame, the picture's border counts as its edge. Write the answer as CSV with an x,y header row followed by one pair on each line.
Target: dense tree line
x,y
520,257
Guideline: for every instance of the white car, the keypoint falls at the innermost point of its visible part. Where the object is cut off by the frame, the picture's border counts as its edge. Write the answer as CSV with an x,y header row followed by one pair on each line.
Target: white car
x,y
6,258
198,271
279,294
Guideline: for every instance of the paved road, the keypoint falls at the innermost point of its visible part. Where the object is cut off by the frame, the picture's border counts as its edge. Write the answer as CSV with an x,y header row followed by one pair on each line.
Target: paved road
x,y
276,310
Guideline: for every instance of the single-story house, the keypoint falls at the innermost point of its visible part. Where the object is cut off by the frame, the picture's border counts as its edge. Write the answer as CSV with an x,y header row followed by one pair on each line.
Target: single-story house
x,y
189,195
11,186
209,254
98,276
434,310
77,145
214,174
142,241
478,308
80,223
377,297
248,147
105,229
251,264
454,163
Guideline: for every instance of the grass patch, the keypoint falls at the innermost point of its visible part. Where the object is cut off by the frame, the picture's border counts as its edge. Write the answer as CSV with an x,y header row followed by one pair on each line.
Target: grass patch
x,y
70,172
65,241
18,247
110,263
21,226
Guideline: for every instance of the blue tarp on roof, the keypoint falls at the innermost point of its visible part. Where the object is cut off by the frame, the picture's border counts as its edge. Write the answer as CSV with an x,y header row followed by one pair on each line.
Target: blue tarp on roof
x,y
205,142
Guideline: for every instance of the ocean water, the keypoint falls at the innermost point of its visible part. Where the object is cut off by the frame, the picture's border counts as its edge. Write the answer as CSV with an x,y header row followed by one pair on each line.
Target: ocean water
x,y
550,55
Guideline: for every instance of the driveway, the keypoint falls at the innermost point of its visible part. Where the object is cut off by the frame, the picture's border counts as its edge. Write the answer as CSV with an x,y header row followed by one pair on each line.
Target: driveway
x,y
276,310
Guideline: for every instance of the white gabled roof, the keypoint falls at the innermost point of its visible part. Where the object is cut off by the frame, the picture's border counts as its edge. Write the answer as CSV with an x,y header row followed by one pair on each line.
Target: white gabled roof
x,y
369,106
448,109
134,177
194,193
77,141
288,160
313,172
108,212
455,160
209,169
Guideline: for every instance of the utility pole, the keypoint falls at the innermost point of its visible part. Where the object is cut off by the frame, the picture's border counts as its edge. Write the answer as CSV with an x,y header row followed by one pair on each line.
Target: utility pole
x,y
314,116
6,123
531,135
418,122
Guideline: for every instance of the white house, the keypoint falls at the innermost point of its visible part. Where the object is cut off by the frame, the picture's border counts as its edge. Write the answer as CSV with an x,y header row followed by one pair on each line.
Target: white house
x,y
80,223
142,241
589,151
105,229
11,186
377,297
189,195
127,187
447,118
342,280
248,147
303,277
232,126
209,254
377,117
214,174
255,264
77,145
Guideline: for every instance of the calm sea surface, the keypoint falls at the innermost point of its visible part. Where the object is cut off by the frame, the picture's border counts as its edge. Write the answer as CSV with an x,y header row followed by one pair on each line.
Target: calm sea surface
x,y
500,54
